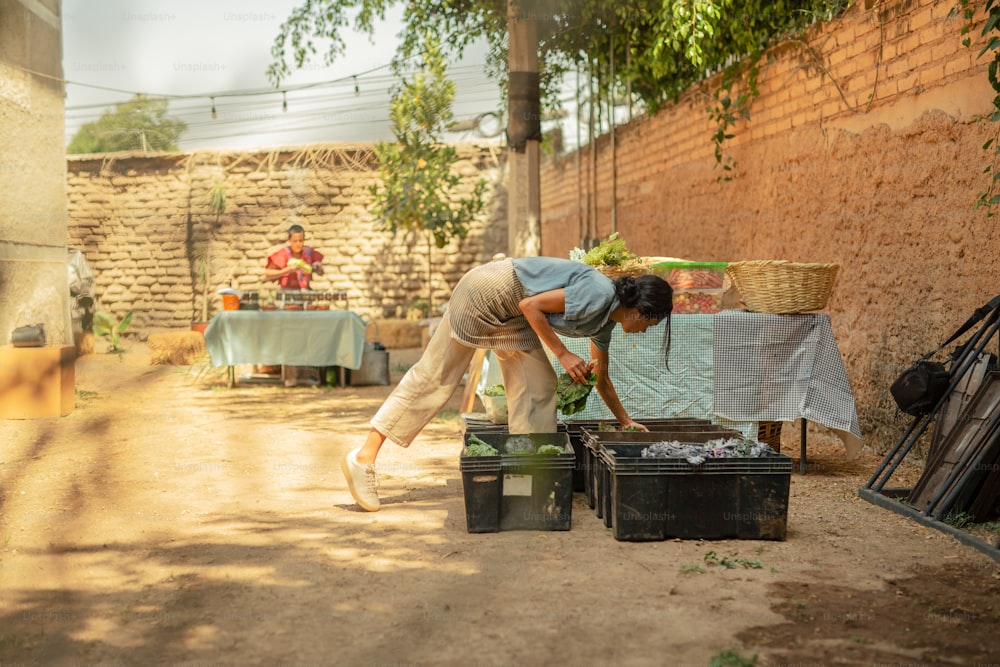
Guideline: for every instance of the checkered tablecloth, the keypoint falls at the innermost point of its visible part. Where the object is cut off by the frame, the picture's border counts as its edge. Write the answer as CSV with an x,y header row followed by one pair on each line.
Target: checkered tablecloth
x,y
781,368
736,368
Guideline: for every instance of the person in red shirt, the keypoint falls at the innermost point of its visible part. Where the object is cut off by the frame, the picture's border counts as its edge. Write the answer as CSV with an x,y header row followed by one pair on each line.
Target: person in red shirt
x,y
294,265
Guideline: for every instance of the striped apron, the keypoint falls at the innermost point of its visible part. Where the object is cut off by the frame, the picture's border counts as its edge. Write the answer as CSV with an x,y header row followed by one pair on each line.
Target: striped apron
x,y
482,313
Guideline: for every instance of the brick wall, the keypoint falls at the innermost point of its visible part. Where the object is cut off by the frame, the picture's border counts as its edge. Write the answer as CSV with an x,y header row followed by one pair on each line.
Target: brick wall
x,y
863,148
142,220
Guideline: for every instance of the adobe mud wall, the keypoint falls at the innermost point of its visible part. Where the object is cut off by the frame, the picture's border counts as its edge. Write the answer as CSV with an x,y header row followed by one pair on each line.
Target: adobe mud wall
x,y
863,148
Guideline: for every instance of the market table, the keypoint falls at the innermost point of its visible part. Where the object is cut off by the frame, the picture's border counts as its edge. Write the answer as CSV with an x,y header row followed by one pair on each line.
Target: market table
x,y
736,368
321,338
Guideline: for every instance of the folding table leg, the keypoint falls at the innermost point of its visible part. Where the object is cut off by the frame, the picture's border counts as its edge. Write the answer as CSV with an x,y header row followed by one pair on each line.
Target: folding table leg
x,y
802,445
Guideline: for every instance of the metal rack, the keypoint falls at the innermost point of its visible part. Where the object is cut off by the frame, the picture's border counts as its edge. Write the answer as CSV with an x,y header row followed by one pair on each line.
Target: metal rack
x,y
977,421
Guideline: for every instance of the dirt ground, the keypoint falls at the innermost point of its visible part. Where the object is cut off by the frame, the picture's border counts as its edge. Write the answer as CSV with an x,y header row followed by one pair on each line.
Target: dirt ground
x,y
171,520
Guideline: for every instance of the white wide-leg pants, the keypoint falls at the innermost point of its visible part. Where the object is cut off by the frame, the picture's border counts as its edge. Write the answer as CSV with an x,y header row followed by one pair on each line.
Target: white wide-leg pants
x,y
528,377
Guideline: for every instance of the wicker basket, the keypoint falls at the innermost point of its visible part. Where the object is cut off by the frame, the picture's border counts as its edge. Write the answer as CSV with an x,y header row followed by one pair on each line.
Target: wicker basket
x,y
634,268
781,287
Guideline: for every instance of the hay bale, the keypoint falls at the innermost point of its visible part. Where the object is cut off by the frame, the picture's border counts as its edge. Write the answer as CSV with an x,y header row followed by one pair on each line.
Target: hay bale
x,y
181,348
394,333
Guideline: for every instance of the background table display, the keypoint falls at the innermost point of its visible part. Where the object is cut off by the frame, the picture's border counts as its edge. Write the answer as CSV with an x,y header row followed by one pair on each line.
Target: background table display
x,y
735,368
320,338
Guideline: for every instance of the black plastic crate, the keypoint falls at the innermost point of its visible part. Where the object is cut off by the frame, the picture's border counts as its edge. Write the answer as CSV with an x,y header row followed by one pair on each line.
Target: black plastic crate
x,y
478,422
597,480
518,491
584,459
724,498
472,423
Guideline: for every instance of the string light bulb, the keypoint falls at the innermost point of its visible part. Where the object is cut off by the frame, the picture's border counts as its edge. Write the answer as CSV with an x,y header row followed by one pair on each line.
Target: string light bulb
x,y
357,90
213,108
284,101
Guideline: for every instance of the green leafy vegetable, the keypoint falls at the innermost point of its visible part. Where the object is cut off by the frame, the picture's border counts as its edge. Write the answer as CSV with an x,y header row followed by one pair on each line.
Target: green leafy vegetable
x,y
495,390
612,251
549,450
571,397
477,447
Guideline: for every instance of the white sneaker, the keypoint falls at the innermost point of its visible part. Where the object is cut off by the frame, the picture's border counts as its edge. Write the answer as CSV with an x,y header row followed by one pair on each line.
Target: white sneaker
x,y
361,480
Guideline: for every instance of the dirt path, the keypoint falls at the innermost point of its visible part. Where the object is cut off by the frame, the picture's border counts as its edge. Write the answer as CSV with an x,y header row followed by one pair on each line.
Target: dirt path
x,y
169,520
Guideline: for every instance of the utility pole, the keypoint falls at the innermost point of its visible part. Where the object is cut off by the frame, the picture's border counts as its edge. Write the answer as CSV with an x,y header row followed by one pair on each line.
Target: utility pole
x,y
524,134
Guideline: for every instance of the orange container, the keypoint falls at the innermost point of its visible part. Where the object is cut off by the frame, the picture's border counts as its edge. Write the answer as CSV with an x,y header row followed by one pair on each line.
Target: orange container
x,y
230,302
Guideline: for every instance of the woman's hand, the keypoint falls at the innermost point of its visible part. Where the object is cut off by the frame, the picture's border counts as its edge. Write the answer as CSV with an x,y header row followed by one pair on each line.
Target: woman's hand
x,y
630,423
576,368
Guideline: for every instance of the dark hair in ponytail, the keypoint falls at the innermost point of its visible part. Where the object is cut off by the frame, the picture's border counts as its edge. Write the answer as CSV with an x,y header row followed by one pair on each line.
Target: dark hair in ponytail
x,y
653,297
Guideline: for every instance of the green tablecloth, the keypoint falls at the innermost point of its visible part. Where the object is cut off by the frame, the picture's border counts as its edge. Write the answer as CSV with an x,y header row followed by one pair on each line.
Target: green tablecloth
x,y
284,337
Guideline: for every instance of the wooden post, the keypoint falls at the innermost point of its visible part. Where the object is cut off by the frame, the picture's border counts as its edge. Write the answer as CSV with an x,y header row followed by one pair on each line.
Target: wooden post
x,y
523,136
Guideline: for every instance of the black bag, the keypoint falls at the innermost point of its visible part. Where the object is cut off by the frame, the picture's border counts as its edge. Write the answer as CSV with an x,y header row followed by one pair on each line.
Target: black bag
x,y
924,384
920,387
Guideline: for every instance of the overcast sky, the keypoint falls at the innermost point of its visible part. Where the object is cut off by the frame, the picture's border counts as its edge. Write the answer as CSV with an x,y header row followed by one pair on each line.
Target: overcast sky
x,y
194,50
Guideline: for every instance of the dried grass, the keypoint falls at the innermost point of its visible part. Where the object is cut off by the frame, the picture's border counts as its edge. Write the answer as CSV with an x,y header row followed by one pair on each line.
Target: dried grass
x,y
179,348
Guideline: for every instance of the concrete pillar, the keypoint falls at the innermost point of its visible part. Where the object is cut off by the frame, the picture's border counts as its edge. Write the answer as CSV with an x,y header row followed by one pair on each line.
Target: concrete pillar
x,y
33,255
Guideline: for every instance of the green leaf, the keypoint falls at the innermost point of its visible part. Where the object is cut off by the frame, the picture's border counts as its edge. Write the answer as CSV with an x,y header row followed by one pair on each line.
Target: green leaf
x,y
991,22
991,45
126,321
104,322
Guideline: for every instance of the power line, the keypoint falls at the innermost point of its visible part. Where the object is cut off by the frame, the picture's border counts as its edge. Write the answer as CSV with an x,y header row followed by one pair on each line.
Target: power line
x,y
332,105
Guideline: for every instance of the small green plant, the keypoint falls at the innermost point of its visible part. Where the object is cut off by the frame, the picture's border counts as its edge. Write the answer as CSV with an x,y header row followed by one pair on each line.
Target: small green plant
x,y
957,519
108,326
217,198
692,567
731,562
731,658
991,526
